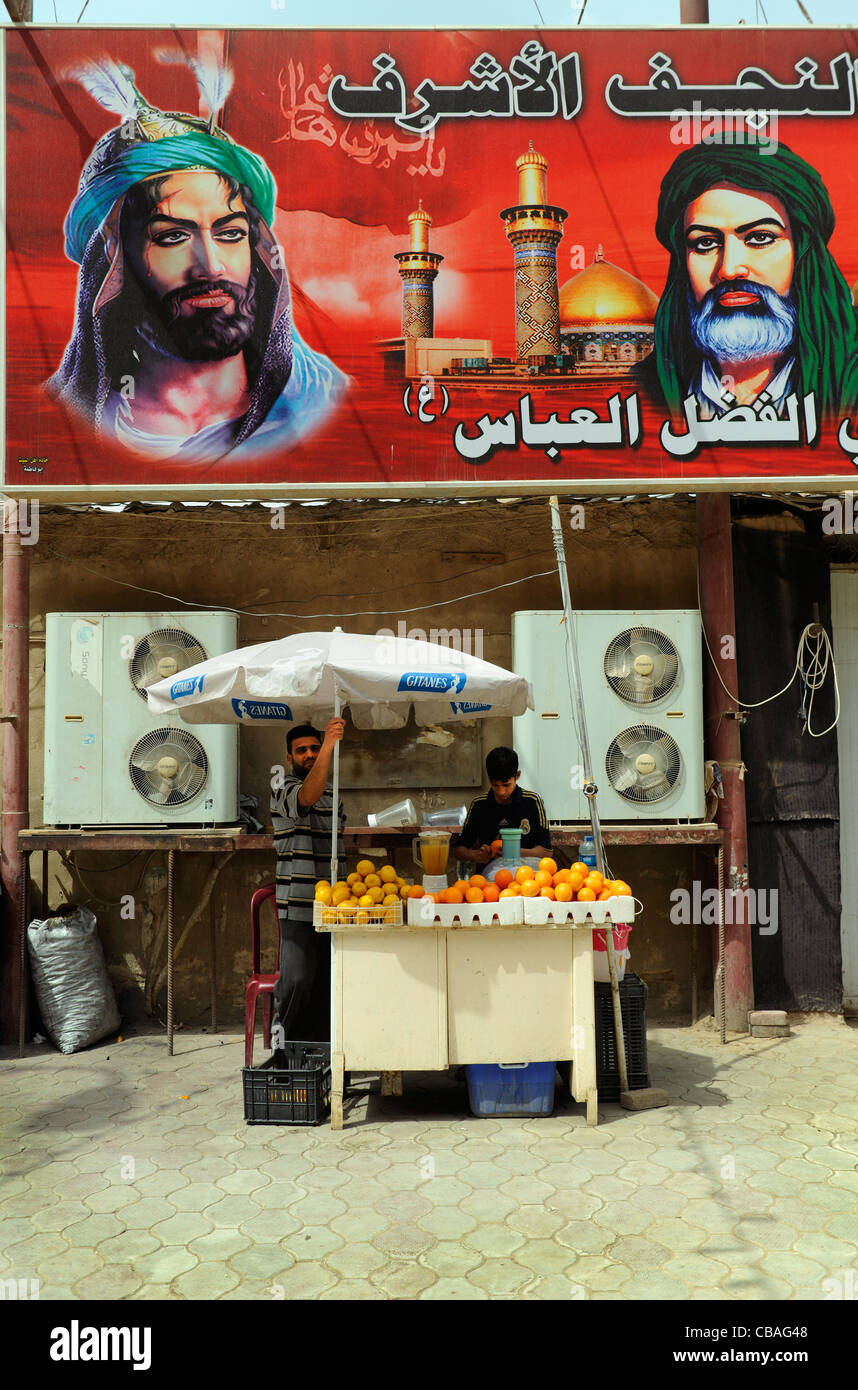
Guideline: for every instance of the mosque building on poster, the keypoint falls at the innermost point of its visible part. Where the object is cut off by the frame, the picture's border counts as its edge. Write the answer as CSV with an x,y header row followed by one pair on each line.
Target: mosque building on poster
x,y
598,325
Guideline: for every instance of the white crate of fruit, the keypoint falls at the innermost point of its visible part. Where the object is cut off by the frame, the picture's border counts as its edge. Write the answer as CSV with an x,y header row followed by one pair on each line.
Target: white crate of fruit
x,y
545,912
506,912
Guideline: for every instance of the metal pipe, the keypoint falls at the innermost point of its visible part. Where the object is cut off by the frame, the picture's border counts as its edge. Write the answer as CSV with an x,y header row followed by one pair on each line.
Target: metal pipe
x,y
590,788
14,813
213,960
171,854
694,11
717,605
720,986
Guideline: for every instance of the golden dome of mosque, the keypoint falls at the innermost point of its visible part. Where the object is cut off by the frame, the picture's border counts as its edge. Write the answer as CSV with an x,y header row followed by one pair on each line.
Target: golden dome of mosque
x,y
603,294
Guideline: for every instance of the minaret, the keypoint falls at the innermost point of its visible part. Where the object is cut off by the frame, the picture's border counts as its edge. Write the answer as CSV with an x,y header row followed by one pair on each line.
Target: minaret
x,y
535,227
418,267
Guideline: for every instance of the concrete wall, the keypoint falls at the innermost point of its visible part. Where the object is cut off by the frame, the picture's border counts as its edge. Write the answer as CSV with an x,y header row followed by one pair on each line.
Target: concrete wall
x,y
335,561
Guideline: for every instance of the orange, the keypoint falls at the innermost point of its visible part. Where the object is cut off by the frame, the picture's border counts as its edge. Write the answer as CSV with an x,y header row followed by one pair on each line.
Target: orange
x,y
415,891
453,895
575,882
595,881
503,878
491,893
549,865
605,894
462,885
543,878
563,893
474,895
562,876
547,893
523,873
530,888
508,893
586,895
496,847
579,868
515,889
477,881
621,888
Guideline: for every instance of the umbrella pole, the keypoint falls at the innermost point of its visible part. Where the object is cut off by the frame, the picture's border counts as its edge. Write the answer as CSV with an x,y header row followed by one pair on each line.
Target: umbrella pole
x,y
335,820
644,1099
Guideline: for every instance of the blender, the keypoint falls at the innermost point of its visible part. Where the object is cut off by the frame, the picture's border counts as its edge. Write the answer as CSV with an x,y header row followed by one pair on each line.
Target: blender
x,y
431,850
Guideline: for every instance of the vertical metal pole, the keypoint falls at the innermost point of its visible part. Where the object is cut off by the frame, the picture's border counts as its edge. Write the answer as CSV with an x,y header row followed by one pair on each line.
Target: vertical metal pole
x,y
171,854
213,959
590,788
24,861
44,883
14,814
717,603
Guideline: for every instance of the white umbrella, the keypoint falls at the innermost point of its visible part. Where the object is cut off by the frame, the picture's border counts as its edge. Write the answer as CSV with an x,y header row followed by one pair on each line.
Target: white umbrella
x,y
315,675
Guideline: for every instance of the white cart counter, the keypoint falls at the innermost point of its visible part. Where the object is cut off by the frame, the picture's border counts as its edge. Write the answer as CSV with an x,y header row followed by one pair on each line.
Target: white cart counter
x,y
423,998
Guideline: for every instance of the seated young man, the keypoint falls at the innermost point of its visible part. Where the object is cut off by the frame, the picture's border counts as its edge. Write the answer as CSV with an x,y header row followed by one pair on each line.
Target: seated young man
x,y
505,806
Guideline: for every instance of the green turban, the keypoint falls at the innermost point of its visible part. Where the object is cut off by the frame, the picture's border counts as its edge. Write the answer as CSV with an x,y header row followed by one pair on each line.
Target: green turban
x,y
826,345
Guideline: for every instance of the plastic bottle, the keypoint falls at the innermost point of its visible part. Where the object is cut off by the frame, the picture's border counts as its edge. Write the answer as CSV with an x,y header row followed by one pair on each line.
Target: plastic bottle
x,y
587,852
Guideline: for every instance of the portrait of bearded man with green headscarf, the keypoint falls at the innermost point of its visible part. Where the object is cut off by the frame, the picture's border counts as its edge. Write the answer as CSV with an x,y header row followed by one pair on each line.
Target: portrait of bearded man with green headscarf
x,y
754,303
183,346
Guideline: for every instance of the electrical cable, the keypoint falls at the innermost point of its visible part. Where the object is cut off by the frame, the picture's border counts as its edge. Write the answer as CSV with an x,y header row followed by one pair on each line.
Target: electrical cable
x,y
813,675
299,617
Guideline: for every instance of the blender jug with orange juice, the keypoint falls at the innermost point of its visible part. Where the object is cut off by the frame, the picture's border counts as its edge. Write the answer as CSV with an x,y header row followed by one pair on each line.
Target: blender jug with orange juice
x,y
431,850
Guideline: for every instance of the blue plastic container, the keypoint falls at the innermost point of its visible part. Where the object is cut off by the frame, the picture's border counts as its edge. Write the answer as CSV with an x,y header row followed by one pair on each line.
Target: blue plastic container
x,y
511,1088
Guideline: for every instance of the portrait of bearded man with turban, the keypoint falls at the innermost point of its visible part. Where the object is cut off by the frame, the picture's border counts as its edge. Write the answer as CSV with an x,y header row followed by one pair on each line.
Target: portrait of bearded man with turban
x,y
183,344
754,302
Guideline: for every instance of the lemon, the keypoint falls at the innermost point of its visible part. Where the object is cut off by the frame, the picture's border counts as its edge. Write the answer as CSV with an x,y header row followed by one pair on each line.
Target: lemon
x,y
359,888
347,911
371,880
387,874
377,894
366,901
390,900
341,883
323,895
364,867
403,892
353,877
400,881
340,895
323,883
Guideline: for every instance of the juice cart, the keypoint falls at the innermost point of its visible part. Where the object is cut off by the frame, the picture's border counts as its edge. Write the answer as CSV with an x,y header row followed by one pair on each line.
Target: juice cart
x,y
426,985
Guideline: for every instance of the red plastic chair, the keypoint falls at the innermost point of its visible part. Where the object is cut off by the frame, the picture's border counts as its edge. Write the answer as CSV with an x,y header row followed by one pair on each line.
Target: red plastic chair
x,y
259,984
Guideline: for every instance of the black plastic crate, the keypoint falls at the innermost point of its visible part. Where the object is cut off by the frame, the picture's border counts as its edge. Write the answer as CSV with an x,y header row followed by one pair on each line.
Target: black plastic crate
x,y
297,1095
633,996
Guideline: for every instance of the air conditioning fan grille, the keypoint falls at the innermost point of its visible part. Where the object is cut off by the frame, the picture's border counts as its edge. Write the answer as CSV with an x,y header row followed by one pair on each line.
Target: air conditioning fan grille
x,y
168,767
641,665
643,764
161,654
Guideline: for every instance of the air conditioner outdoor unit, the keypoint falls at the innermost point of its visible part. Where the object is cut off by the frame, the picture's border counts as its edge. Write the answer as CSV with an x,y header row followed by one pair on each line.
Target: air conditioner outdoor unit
x,y
108,761
642,688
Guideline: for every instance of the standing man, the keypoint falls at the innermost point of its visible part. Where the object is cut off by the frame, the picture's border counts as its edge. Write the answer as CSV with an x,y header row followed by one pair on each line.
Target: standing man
x,y
302,811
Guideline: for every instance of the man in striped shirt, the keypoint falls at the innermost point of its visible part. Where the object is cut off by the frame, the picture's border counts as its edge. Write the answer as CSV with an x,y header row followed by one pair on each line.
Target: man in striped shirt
x,y
302,811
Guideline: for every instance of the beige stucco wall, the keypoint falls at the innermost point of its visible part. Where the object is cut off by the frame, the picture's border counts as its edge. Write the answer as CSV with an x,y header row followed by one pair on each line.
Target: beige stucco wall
x,y
334,561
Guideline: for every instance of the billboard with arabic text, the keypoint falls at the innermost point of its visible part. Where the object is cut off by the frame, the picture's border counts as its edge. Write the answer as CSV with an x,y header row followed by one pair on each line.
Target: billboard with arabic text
x,y
247,262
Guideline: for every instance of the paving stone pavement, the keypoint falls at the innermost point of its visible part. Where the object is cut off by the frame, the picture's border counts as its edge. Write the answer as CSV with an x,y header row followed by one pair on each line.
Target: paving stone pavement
x,y
129,1174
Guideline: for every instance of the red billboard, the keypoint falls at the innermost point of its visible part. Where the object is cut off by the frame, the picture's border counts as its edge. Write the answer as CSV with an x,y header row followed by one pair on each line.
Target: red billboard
x,y
271,260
